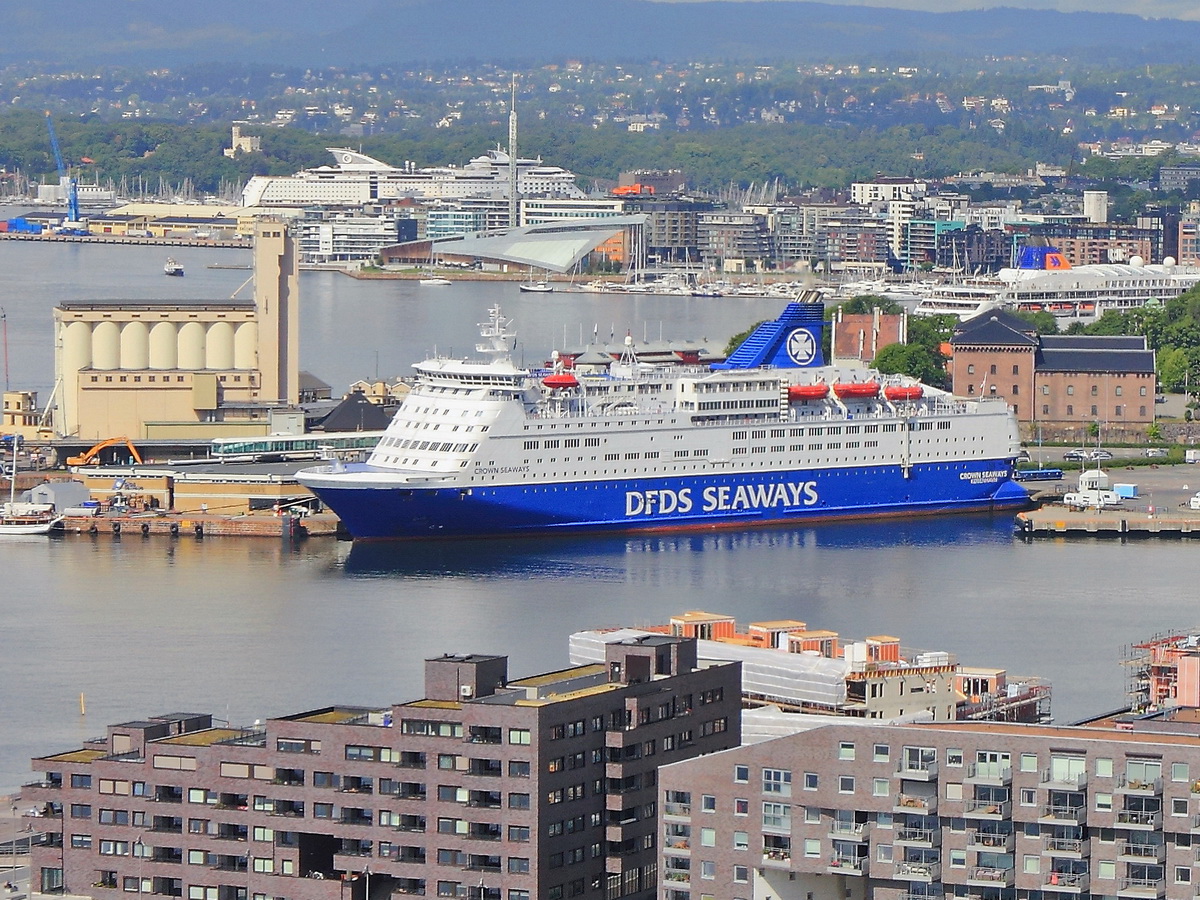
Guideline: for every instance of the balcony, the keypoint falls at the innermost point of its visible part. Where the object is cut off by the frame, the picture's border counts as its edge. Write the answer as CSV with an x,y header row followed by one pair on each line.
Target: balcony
x,y
1139,819
850,831
484,735
924,872
677,876
777,857
842,864
915,770
1066,882
410,760
990,841
917,837
1137,852
1068,848
677,844
677,810
1139,788
993,810
989,773
982,876
1051,815
1062,781
1141,887
913,803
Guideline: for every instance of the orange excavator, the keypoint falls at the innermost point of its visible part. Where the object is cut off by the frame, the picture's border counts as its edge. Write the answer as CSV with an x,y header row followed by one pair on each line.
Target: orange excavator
x,y
92,456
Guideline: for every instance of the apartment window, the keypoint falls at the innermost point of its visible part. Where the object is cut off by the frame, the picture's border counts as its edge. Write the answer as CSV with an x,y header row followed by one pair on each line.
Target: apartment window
x,y
1070,410
741,874
777,781
880,787
1183,875
810,781
846,784
1016,370
81,781
518,801
518,768
1045,409
1029,762
1094,410
708,869
880,753
708,837
1031,865
1141,392
954,790
323,810
741,774
954,757
1179,771
1179,806
971,368
81,811
1045,390
708,803
518,736
992,369
1118,391
1095,390
1106,869
846,750
518,833
777,816
1015,390
812,848
741,840
1028,797
958,859
518,864
1070,390
883,853
1104,802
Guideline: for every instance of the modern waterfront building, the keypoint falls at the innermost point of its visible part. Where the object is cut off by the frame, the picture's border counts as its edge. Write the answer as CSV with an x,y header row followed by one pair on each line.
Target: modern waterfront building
x,y
327,237
810,670
183,368
487,788
978,811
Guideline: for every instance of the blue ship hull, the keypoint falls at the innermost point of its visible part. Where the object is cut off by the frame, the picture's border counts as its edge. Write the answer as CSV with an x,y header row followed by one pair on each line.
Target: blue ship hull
x,y
706,501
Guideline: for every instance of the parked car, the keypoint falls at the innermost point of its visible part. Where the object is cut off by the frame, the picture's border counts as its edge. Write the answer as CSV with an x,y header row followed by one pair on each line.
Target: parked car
x,y
1076,455
1155,452
1100,454
1023,456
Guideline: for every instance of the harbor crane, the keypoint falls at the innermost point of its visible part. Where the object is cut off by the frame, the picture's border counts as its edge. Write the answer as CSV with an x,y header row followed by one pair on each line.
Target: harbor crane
x,y
72,225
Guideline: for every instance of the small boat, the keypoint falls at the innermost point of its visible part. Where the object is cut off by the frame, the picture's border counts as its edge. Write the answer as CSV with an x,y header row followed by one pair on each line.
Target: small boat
x,y
24,518
561,380
173,268
856,390
436,279
818,391
536,287
898,392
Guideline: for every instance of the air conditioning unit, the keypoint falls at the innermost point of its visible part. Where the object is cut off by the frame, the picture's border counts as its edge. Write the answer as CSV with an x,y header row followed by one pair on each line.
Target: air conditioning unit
x,y
466,691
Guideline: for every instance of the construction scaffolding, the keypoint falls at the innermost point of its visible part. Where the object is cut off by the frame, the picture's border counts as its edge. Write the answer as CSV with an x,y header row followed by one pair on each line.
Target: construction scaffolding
x,y
1163,670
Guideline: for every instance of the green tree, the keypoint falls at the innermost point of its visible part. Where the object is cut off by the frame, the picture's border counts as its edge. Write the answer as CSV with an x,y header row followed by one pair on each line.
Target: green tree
x,y
867,303
1172,369
1044,322
922,363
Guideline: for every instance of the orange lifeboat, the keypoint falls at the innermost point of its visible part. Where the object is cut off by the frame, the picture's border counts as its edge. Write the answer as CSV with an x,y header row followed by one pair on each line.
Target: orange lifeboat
x,y
856,390
899,392
561,380
818,391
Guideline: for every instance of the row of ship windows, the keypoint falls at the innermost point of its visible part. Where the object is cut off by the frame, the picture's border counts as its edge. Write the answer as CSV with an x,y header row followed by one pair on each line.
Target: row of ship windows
x,y
758,434
727,386
606,423
432,446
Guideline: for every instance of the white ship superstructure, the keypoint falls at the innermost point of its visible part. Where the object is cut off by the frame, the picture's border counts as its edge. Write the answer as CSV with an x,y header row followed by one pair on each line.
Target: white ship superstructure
x,y
356,179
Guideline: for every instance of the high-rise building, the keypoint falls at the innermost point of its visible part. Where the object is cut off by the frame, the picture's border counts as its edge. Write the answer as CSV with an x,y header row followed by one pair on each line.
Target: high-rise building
x,y
486,788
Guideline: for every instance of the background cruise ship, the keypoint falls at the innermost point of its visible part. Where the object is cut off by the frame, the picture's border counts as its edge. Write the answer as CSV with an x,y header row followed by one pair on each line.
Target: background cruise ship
x,y
1044,281
358,178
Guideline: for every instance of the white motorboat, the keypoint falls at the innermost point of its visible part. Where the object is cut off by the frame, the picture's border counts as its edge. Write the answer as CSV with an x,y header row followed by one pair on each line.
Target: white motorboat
x,y
24,518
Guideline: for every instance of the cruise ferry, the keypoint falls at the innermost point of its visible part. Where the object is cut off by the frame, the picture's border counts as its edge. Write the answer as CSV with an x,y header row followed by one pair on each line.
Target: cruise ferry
x,y
770,436
1045,281
357,178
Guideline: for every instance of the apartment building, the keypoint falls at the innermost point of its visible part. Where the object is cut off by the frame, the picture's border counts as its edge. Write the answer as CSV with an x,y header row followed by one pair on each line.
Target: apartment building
x,y
985,811
485,788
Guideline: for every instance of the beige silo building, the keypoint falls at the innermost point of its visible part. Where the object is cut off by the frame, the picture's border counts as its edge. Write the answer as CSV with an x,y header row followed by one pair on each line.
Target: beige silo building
x,y
183,368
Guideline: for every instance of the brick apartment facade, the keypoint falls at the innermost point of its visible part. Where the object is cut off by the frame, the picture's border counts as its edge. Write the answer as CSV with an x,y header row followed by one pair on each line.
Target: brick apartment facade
x,y
1059,381
979,811
489,789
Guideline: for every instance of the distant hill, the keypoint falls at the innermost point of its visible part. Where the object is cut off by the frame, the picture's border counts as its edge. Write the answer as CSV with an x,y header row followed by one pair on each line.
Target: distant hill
x,y
146,33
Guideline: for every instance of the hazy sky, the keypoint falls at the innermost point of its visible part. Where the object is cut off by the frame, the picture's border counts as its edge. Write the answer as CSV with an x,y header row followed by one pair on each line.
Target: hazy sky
x,y
1149,9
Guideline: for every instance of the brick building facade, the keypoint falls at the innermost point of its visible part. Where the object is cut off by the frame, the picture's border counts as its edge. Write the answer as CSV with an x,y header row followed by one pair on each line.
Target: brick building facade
x,y
489,789
1056,381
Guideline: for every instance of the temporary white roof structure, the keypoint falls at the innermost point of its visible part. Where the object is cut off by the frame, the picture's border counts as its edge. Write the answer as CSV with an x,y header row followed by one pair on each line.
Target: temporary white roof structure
x,y
554,246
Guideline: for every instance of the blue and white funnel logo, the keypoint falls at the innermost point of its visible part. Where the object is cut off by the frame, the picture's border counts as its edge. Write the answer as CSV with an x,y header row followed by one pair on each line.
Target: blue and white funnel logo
x,y
801,347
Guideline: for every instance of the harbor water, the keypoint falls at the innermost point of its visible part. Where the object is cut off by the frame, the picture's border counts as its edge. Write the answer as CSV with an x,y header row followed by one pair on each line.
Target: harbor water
x,y
248,629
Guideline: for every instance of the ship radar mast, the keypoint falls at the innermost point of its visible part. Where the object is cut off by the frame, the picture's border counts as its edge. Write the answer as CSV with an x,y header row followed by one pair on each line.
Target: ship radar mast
x,y
497,343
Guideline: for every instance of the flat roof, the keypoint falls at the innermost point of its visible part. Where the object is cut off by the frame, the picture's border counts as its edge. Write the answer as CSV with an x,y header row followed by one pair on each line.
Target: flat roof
x,y
561,675
1068,732
203,738
779,623
697,615
142,303
330,715
80,756
432,704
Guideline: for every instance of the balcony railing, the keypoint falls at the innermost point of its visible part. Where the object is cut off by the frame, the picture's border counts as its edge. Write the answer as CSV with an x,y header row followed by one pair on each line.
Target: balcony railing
x,y
915,835
677,809
989,876
1072,814
1063,781
989,840
990,809
1141,887
1075,882
677,875
1127,785
776,856
1136,818
1140,851
849,831
989,773
915,803
917,770
919,871
1073,846
840,862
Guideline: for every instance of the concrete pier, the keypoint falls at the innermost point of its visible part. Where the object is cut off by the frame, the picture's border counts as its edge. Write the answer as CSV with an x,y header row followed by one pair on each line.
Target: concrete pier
x,y
186,525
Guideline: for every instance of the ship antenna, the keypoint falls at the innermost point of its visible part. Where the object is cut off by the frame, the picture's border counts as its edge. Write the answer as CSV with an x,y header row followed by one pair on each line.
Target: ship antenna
x,y
512,155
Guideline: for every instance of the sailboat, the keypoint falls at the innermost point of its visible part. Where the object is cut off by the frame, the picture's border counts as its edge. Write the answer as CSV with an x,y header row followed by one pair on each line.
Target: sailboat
x,y
536,286
24,518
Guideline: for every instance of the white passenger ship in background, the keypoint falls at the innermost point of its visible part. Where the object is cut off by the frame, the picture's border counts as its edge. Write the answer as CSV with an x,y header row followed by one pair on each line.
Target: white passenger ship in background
x,y
1044,281
771,436
358,178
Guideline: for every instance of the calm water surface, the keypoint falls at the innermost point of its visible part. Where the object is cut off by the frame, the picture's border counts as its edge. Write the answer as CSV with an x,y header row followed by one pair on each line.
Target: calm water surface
x,y
255,628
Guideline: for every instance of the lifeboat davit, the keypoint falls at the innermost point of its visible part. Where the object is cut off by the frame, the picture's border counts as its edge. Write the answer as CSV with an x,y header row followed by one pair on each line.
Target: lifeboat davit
x,y
856,390
817,391
898,392
561,380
